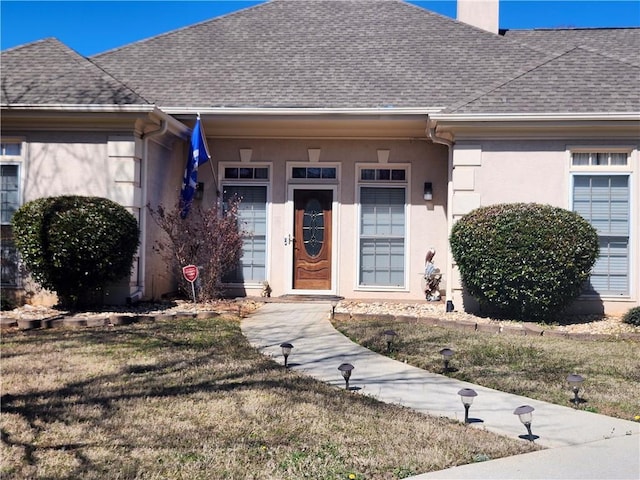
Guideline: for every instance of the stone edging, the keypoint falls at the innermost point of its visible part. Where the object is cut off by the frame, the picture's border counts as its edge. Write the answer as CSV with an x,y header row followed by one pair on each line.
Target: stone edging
x,y
98,320
534,330
127,319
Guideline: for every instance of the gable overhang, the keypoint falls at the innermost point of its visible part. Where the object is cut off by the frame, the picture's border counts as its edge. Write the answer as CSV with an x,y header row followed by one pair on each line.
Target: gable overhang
x,y
539,125
292,123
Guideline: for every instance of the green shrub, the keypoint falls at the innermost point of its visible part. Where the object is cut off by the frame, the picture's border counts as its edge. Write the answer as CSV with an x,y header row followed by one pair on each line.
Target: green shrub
x,y
75,245
632,317
524,261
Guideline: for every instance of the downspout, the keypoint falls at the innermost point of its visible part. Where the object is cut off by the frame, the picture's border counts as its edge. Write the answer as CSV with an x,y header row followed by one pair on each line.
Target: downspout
x,y
142,262
435,138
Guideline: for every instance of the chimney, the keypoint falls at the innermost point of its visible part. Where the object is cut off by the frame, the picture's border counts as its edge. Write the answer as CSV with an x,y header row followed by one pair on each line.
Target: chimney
x,y
479,13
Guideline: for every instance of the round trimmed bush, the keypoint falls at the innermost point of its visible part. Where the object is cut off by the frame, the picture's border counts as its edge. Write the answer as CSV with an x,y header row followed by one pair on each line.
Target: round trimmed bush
x,y
75,245
524,260
632,317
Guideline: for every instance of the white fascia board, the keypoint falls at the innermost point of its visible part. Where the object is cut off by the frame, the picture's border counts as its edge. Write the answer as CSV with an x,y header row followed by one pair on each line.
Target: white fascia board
x,y
301,111
528,117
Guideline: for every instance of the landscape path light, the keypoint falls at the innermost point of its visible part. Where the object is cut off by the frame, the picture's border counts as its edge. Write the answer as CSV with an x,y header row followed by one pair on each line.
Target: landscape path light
x,y
446,353
467,395
389,335
286,351
575,382
334,304
346,369
524,412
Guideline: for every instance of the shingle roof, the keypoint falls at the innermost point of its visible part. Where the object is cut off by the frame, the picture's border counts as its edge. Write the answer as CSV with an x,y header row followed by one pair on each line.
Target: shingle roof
x,y
49,72
341,54
620,43
321,53
577,81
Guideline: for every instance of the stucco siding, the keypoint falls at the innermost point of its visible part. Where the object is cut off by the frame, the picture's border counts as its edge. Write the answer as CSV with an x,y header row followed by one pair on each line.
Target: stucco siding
x,y
426,221
522,172
65,163
508,171
164,171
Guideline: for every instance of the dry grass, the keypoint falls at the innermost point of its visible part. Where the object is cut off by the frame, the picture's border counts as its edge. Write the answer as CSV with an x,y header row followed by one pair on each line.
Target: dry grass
x,y
533,366
192,400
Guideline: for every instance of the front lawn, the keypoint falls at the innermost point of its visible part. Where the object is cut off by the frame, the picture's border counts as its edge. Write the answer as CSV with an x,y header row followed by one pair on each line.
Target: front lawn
x,y
534,366
191,399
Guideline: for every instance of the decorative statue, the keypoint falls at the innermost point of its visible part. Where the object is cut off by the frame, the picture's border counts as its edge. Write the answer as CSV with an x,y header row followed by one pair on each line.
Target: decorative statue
x,y
432,277
266,289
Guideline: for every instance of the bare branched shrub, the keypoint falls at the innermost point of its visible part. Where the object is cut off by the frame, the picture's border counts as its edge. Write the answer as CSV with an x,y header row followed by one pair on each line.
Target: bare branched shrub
x,y
207,238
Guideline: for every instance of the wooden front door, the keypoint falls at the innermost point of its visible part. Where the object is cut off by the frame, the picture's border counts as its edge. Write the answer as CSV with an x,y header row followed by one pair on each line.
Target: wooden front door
x,y
312,239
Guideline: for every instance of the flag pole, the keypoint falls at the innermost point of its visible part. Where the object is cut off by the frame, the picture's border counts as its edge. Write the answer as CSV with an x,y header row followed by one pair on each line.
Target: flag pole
x,y
213,172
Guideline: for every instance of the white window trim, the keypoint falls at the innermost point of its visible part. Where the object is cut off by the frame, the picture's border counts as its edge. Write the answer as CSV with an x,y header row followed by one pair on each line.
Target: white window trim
x,y
407,215
18,160
629,150
628,170
252,183
313,181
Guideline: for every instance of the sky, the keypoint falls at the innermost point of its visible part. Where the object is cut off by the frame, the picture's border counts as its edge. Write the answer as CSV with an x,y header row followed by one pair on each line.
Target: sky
x,y
92,27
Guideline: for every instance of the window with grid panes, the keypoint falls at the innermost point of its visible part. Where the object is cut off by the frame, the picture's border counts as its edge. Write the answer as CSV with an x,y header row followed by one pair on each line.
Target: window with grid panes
x,y
252,214
382,236
603,198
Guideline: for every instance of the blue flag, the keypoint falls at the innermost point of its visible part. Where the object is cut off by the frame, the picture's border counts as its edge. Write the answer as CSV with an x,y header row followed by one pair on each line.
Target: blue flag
x,y
198,154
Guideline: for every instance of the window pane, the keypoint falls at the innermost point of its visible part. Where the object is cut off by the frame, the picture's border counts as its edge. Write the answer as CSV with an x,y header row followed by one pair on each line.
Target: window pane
x,y
9,192
252,213
604,201
600,158
619,158
11,149
580,159
246,172
230,173
398,175
382,262
299,172
328,173
382,231
261,173
383,174
313,172
367,174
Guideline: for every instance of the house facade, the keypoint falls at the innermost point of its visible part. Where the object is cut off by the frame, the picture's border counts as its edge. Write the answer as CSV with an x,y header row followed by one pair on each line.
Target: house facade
x,y
355,132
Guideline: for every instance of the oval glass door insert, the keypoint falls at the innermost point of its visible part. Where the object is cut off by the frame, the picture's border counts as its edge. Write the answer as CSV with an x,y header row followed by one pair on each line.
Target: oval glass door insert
x,y
313,227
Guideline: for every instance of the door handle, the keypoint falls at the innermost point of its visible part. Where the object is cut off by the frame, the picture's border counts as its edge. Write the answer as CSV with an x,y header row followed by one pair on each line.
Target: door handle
x,y
289,240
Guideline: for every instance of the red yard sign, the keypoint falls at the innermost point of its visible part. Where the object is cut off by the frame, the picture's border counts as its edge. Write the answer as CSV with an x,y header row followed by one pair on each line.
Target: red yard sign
x,y
190,273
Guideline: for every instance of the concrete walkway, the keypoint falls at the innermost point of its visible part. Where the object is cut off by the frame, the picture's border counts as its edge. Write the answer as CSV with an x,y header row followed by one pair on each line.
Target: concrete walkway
x,y
580,444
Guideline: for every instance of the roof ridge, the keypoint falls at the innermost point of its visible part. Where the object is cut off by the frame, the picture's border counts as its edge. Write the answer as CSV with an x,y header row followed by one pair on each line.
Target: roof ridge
x,y
186,27
518,74
30,44
545,61
597,51
564,29
117,80
88,64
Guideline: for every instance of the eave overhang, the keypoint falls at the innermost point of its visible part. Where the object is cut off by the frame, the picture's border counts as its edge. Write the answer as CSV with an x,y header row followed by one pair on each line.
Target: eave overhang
x,y
110,118
292,123
539,125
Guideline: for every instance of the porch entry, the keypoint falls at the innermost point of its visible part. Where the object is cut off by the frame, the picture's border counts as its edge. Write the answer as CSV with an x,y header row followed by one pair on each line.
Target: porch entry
x,y
312,239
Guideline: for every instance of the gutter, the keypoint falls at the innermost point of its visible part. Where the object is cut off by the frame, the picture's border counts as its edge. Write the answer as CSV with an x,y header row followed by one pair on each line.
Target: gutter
x,y
435,138
534,117
301,111
97,108
167,124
